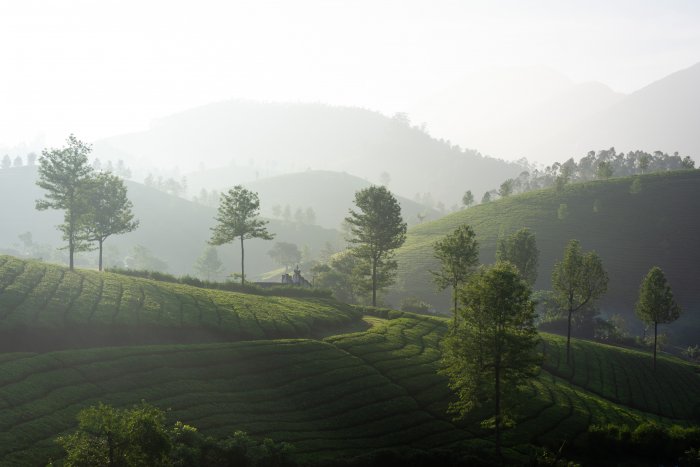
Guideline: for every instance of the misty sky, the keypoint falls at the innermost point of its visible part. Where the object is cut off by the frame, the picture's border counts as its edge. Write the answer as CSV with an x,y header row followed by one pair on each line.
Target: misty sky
x,y
108,67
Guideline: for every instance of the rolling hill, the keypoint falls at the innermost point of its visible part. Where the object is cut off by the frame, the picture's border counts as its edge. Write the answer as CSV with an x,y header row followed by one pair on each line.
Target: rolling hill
x,y
173,229
631,232
348,394
294,137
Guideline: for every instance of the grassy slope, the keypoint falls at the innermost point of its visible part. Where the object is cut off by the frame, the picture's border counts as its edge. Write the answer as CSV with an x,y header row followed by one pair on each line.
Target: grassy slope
x,y
342,396
45,302
631,232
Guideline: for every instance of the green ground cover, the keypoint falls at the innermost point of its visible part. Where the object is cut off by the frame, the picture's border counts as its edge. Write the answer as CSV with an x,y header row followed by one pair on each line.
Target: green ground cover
x,y
345,395
43,298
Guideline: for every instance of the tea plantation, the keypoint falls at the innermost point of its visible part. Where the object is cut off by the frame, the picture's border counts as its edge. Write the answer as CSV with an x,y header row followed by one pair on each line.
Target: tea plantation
x,y
273,374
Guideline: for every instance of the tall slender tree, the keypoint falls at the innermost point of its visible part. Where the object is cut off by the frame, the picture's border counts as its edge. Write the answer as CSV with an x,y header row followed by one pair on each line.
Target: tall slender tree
x,y
377,229
237,217
109,210
65,174
458,253
578,280
491,351
656,304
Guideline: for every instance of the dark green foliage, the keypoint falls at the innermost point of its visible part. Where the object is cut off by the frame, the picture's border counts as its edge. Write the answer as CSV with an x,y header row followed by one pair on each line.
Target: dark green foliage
x,y
109,210
139,437
578,280
458,253
646,442
520,249
377,229
237,217
64,173
656,304
415,305
491,352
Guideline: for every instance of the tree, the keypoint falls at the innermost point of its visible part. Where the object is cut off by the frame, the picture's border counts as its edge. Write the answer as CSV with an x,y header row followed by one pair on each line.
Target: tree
x,y
656,303
385,178
109,210
687,163
579,279
238,218
506,188
208,265
486,198
285,254
65,174
604,170
520,249
310,216
458,253
6,162
492,350
118,437
18,162
141,259
377,229
468,198
31,159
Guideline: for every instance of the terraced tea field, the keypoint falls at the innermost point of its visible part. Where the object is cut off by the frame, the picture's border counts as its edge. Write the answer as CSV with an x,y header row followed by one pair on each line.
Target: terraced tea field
x,y
53,303
342,396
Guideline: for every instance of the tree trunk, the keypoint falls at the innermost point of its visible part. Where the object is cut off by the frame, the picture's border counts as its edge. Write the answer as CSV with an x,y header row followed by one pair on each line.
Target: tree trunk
x,y
100,263
242,262
655,325
568,338
455,312
374,282
497,370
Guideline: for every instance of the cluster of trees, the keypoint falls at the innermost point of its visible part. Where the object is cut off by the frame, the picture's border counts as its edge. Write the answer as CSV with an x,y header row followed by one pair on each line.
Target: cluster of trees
x,y
603,164
301,216
491,347
8,162
139,436
95,204
120,168
168,185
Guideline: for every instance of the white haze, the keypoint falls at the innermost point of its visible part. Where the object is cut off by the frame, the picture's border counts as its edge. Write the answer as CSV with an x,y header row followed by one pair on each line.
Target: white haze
x,y
103,68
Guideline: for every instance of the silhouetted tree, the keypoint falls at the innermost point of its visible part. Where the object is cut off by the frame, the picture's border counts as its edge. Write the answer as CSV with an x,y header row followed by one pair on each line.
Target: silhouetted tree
x,y
377,229
468,198
237,217
208,265
458,253
109,210
65,174
18,162
656,304
520,249
285,254
6,162
492,350
578,280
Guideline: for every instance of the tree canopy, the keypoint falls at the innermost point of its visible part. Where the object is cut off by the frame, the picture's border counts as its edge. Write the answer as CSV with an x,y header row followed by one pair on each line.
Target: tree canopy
x,y
64,173
656,304
492,350
237,217
376,229
578,280
520,249
458,253
109,210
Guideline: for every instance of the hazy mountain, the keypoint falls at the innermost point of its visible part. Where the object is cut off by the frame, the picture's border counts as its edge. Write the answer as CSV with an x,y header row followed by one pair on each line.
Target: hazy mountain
x,y
328,194
663,116
293,137
539,114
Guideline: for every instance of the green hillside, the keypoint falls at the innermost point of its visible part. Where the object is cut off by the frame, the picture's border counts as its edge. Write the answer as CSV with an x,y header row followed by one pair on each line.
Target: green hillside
x,y
345,396
44,306
631,232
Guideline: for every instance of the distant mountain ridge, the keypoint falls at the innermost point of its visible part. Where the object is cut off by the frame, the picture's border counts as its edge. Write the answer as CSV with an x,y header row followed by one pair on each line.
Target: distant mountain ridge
x,y
544,116
292,137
